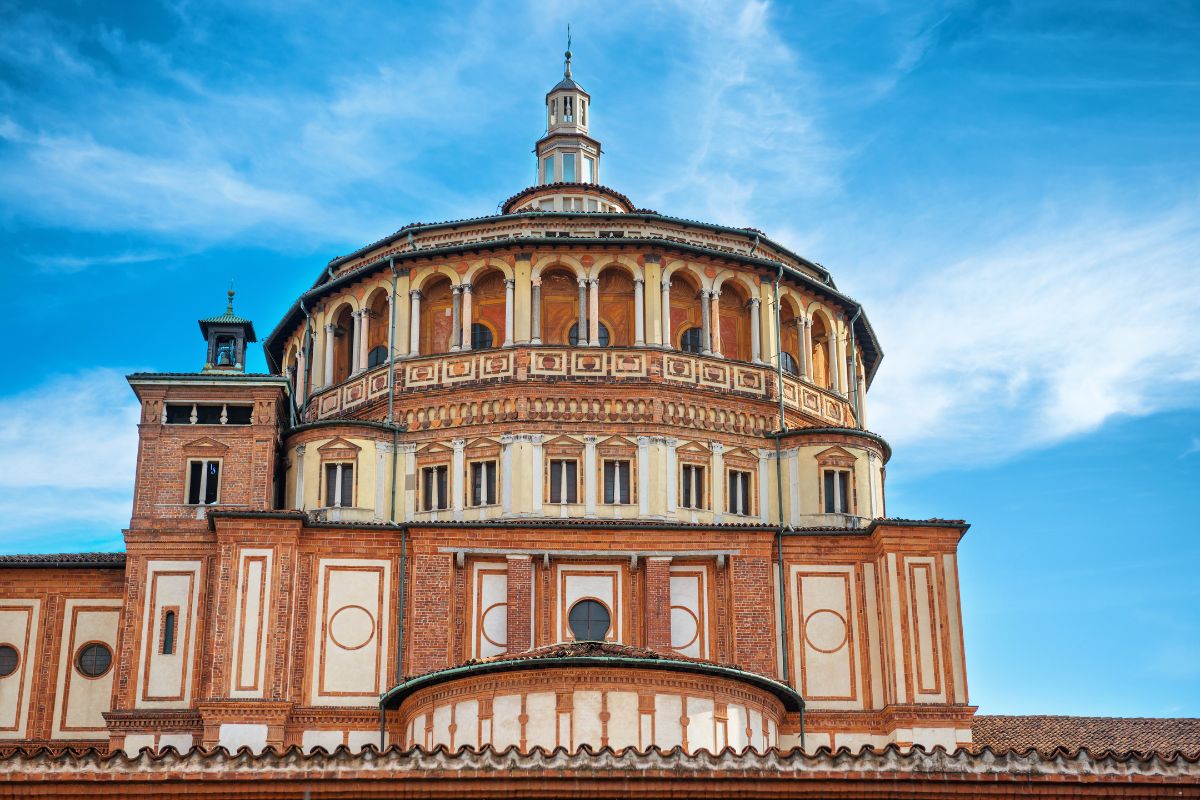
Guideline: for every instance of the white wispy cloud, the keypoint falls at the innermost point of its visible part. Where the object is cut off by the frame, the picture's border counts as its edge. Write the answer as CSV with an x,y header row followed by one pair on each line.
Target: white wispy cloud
x,y
1041,337
69,447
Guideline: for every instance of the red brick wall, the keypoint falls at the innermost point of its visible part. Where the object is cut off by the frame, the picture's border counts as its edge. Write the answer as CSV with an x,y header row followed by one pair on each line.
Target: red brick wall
x,y
520,598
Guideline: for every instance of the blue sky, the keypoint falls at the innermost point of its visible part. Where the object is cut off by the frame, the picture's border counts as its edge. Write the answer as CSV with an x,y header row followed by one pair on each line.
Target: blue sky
x,y
1012,189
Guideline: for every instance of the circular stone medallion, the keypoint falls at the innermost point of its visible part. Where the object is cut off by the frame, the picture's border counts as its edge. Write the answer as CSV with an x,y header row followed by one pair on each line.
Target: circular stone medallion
x,y
825,631
351,627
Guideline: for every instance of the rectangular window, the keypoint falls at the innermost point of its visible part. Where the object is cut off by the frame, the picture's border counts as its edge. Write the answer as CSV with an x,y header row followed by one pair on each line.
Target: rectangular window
x,y
739,492
837,491
483,483
568,170
589,169
548,169
434,494
616,481
204,481
693,486
339,485
564,483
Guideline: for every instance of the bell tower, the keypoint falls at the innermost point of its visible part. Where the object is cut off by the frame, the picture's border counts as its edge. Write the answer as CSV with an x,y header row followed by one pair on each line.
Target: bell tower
x,y
227,336
567,154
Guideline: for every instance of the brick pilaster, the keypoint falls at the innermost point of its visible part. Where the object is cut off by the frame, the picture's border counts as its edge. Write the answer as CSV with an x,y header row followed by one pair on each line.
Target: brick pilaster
x,y
754,613
657,599
520,603
429,645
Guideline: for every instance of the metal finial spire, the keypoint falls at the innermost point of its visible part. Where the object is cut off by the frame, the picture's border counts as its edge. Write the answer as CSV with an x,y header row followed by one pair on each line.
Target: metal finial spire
x,y
567,68
229,308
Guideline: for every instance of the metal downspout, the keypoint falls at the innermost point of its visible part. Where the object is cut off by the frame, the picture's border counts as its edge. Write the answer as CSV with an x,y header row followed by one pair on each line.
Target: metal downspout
x,y
304,379
779,480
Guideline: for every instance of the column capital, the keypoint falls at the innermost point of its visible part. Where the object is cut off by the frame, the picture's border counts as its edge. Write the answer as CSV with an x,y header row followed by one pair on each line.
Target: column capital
x,y
406,447
716,447
754,302
384,448
643,441
639,281
507,438
590,441
330,327
415,294
510,283
583,282
671,441
300,448
666,282
458,444
594,281
466,288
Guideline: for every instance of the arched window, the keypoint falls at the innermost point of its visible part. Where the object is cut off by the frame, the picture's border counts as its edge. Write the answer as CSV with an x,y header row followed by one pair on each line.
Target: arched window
x,y
93,660
481,337
693,341
377,356
573,337
789,364
589,621
9,659
168,633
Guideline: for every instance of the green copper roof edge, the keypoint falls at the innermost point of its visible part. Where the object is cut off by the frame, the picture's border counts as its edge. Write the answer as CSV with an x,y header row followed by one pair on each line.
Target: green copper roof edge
x,y
792,701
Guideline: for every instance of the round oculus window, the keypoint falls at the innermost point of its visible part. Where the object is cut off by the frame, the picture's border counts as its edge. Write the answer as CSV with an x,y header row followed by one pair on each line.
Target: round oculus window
x,y
93,660
9,659
589,621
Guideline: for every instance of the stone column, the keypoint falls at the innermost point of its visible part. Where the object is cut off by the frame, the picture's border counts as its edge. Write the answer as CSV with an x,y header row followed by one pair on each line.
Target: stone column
x,y
467,317
756,330
639,312
671,476
594,312
457,465
658,604
298,504
391,323
715,314
643,467
806,365
356,361
520,603
666,312
506,441
329,331
510,290
364,338
301,382
705,324
414,323
535,331
589,476
717,494
581,326
455,318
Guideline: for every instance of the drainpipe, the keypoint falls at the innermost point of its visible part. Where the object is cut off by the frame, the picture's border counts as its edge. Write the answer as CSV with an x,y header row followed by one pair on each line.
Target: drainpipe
x,y
391,418
853,367
779,480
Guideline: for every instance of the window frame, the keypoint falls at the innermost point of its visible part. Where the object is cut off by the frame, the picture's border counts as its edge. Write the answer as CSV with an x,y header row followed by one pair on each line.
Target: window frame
x,y
843,486
630,483
443,498
173,613
495,482
339,465
747,495
574,486
702,484
17,663
78,657
203,490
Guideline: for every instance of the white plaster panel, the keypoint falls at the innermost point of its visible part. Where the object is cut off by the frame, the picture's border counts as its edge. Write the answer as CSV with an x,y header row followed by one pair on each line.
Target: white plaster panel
x,y
441,726
166,678
541,727
586,719
825,619
689,611
136,742
596,581
251,621
232,735
623,725
954,617
19,628
701,722
350,661
80,701
180,741
668,709
466,724
329,740
489,623
736,727
924,613
874,642
506,727
357,740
